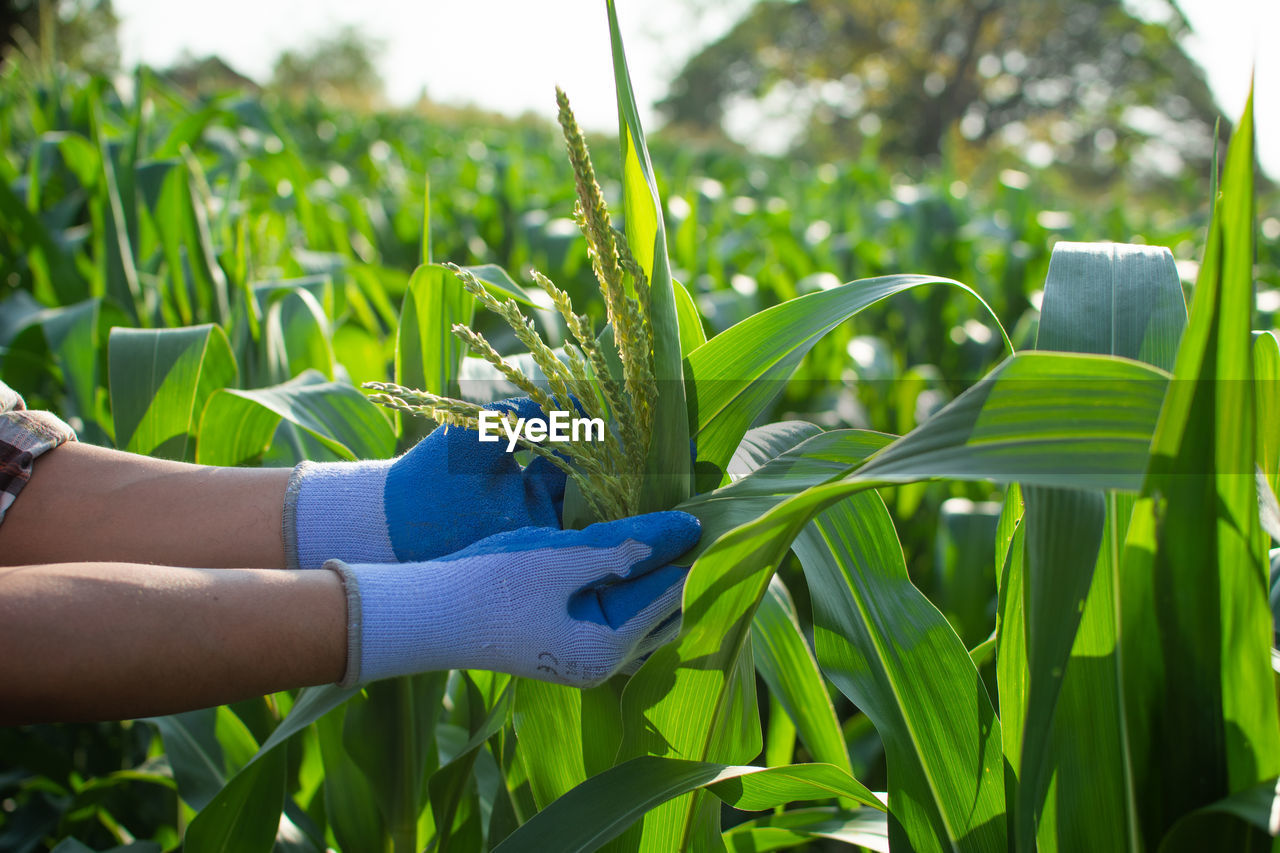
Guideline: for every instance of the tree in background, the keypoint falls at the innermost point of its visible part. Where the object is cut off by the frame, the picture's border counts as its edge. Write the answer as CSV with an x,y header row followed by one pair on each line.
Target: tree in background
x,y
339,68
1083,84
78,33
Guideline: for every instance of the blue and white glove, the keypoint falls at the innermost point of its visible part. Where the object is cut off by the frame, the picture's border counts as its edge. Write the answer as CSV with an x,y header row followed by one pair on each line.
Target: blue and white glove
x,y
568,606
448,491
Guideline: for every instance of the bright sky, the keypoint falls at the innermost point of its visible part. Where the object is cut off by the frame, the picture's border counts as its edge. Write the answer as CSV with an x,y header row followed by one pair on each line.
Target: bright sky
x,y
508,55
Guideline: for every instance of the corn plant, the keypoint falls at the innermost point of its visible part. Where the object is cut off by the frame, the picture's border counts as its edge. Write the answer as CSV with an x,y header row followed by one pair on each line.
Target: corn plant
x,y
1124,699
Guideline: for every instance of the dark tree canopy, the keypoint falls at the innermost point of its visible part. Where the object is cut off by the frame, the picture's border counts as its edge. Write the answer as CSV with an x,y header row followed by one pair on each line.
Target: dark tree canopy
x,y
1081,83
78,33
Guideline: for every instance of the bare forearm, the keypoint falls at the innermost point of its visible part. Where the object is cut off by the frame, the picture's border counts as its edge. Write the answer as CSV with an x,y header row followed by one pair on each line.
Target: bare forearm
x,y
90,641
90,503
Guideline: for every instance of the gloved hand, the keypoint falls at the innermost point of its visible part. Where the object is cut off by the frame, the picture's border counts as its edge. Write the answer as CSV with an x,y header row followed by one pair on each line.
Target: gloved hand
x,y
568,606
448,491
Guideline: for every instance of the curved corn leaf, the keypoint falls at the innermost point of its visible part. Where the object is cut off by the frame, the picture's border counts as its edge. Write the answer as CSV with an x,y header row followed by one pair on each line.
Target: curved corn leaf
x,y
238,426
864,828
785,663
160,381
1207,828
782,655
898,660
734,376
244,816
601,808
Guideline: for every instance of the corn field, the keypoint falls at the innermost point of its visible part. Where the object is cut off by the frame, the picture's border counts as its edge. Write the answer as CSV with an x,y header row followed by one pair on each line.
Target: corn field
x,y
987,490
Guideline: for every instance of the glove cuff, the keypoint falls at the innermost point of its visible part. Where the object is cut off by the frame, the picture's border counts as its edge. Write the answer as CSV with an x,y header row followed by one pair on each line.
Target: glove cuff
x,y
355,621
334,511
418,617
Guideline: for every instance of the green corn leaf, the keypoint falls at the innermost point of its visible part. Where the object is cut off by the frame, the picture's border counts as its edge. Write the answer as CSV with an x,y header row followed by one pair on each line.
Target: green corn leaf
x,y
1011,639
782,655
245,815
1063,535
786,664
160,381
428,354
197,285
667,469
816,460
296,330
600,809
65,338
565,734
1209,827
238,426
448,783
898,660
1008,426
56,278
734,376
195,755
1266,373
691,334
1195,664
120,221
548,723
1003,427
389,732
865,828
1114,300
780,734
351,808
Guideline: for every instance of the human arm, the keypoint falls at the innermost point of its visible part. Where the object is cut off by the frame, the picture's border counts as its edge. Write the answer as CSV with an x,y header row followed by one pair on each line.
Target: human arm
x,y
114,640
94,641
87,503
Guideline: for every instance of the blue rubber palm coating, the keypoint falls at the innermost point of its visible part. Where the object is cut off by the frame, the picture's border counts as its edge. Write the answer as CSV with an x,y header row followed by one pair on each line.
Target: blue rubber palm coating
x,y
453,489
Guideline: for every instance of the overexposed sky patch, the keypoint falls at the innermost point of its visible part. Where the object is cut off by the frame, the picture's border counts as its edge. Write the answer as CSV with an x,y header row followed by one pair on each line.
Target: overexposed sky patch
x,y
508,55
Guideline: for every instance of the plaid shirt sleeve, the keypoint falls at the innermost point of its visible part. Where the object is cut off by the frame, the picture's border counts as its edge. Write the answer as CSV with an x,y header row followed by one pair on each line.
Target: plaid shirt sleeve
x,y
24,435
